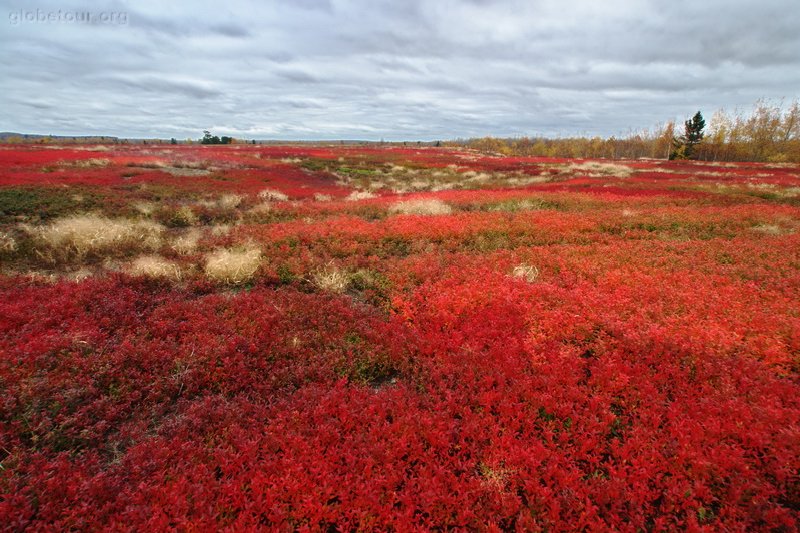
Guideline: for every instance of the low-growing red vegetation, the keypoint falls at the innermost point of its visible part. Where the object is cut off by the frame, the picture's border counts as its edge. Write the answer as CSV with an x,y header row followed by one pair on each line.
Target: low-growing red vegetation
x,y
534,344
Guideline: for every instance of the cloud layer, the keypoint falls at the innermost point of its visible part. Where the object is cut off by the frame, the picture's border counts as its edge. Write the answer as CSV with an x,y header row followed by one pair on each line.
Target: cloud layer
x,y
330,69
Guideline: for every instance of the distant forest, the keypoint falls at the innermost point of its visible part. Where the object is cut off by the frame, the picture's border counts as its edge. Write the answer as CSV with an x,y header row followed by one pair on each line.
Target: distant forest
x,y
770,132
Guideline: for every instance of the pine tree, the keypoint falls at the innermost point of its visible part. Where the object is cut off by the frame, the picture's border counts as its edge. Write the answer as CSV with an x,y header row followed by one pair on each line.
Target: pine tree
x,y
209,139
692,136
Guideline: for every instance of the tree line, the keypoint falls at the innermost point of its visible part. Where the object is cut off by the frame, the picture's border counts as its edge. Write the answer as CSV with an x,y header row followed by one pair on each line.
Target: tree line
x,y
214,139
770,132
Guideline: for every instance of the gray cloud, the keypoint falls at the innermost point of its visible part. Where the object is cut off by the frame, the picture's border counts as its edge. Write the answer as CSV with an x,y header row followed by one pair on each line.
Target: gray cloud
x,y
159,85
370,69
297,76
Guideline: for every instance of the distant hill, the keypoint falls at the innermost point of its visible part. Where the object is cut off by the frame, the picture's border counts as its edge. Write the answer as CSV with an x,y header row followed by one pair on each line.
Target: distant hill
x,y
12,137
6,136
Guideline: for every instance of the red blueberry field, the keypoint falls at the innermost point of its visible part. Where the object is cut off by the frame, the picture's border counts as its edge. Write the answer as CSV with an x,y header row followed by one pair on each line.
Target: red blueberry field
x,y
359,338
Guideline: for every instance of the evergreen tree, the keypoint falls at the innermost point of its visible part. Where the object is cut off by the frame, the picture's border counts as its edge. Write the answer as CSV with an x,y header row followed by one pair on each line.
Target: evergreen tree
x,y
694,129
209,139
692,136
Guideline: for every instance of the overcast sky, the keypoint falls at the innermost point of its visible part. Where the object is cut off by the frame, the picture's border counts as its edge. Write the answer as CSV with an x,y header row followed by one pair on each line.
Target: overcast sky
x,y
393,69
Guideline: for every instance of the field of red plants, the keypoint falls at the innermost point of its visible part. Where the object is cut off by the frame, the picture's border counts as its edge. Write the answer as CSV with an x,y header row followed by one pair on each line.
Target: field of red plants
x,y
367,338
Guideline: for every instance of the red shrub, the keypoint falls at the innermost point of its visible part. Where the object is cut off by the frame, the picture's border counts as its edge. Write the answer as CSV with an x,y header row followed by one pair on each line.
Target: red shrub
x,y
644,379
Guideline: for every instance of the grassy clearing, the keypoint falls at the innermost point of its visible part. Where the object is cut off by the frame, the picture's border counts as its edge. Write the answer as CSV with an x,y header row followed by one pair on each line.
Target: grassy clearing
x,y
34,203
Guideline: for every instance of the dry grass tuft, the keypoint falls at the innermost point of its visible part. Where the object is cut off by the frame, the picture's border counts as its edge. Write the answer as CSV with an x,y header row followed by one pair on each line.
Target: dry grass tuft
x,y
94,162
421,207
145,208
260,208
187,242
771,229
233,266
7,243
227,201
218,230
595,168
184,216
521,204
495,477
527,272
230,201
319,197
359,195
479,177
443,186
76,276
271,194
154,266
331,278
185,170
83,235
261,213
